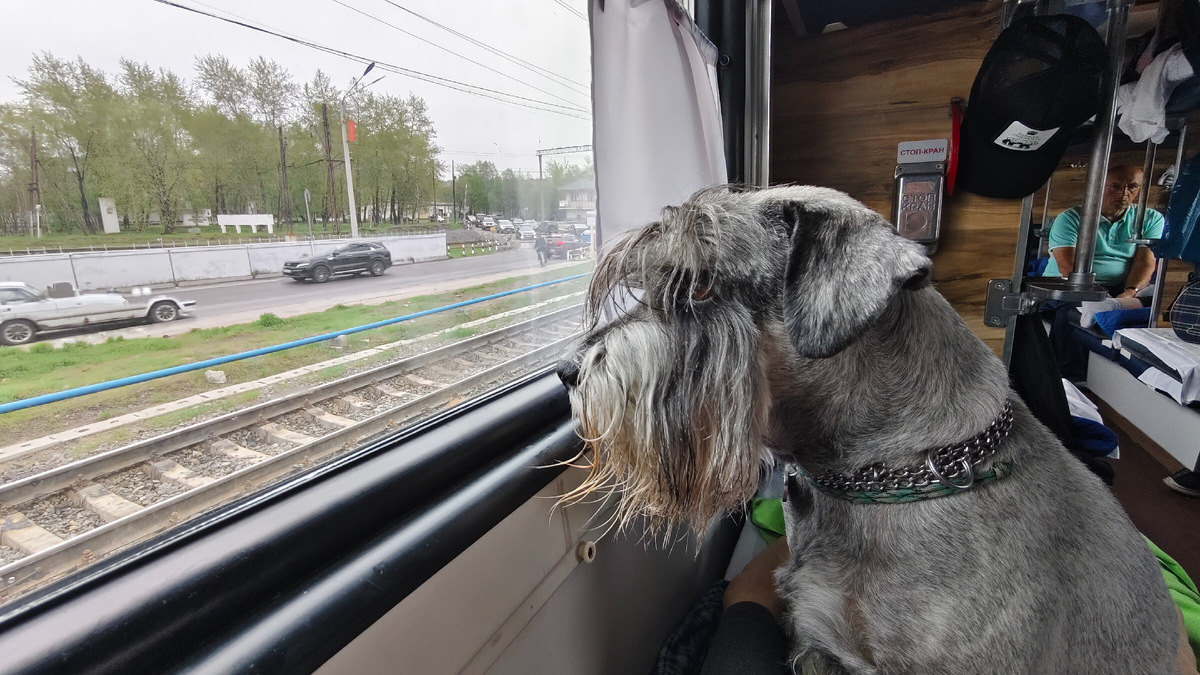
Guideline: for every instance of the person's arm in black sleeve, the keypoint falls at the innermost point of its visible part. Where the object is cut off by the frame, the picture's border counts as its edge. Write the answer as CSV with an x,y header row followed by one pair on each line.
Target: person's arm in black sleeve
x,y
749,640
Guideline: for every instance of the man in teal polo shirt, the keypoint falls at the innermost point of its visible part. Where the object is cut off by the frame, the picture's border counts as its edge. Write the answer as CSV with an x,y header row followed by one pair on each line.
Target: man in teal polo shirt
x,y
1120,265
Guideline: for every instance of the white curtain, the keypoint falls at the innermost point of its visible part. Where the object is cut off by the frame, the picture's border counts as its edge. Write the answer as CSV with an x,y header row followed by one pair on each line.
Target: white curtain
x,y
657,116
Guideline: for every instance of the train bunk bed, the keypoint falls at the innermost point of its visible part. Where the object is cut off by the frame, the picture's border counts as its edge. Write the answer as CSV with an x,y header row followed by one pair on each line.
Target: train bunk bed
x,y
1151,378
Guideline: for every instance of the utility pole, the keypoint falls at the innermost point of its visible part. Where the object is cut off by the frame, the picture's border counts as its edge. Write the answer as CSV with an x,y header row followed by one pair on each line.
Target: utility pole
x,y
541,191
349,175
346,150
330,194
285,197
308,212
453,194
35,192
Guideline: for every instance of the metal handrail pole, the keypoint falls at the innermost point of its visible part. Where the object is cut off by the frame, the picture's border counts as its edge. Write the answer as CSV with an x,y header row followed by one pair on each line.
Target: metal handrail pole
x,y
1082,275
1139,223
1160,275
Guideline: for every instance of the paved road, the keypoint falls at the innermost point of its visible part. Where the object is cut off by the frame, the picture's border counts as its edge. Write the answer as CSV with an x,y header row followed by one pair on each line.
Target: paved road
x,y
275,294
223,304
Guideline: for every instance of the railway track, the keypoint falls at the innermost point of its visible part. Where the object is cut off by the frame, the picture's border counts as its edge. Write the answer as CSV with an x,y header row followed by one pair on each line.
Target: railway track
x,y
67,517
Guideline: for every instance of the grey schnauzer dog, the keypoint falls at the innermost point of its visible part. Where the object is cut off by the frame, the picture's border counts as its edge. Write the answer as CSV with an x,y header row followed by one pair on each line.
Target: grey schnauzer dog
x,y
794,322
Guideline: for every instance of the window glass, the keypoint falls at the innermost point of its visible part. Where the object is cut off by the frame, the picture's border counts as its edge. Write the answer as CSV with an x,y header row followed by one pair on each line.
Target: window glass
x,y
182,165
14,295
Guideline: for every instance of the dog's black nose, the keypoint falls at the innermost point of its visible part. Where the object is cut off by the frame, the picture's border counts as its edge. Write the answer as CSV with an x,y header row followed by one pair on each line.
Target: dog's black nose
x,y
568,372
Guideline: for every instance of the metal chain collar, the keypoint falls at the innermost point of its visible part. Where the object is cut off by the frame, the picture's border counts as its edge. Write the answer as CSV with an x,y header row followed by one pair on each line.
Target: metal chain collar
x,y
951,465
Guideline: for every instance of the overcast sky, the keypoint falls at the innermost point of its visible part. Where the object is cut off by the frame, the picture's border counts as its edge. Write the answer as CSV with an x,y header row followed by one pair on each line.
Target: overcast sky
x,y
541,32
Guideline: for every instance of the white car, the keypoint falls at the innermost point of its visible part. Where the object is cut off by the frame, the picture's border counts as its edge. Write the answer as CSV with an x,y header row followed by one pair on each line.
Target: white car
x,y
26,311
489,223
505,227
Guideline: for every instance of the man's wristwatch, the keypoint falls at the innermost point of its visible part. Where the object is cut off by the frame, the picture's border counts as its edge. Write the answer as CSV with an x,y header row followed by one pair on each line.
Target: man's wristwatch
x,y
1135,289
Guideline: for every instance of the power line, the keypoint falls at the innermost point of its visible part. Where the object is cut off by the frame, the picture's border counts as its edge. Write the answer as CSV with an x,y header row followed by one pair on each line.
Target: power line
x,y
445,49
502,54
571,9
483,92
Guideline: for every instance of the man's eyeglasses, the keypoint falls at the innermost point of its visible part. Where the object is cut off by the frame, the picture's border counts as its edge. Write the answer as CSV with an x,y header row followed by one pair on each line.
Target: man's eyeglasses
x,y
1126,187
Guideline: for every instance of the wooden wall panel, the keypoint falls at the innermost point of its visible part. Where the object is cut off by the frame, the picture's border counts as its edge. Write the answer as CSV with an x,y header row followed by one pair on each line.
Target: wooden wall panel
x,y
842,101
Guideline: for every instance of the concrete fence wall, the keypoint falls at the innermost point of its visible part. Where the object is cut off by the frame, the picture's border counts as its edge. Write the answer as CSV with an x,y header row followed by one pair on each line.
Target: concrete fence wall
x,y
157,267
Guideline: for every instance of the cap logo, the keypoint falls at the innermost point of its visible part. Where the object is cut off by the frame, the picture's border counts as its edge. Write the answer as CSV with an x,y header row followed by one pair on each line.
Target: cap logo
x,y
1020,137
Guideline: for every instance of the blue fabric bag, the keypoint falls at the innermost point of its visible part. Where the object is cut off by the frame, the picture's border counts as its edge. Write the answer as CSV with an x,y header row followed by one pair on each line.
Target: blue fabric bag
x,y
1114,320
1180,238
1185,311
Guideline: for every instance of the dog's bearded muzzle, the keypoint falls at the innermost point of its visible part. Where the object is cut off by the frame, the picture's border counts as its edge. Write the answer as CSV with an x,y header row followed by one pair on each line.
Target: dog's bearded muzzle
x,y
672,421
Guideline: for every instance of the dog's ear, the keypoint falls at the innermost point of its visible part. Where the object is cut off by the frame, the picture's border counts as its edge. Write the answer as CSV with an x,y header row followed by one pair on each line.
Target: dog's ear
x,y
844,265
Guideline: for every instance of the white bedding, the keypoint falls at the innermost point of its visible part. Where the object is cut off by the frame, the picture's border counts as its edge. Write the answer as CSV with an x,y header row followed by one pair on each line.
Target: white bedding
x,y
1183,357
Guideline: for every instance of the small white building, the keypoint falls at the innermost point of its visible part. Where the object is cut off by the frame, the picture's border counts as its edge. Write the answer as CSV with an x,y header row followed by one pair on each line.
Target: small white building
x,y
576,199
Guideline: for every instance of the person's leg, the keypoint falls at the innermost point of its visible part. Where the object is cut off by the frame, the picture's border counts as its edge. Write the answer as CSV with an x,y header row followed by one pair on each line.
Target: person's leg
x,y
1070,354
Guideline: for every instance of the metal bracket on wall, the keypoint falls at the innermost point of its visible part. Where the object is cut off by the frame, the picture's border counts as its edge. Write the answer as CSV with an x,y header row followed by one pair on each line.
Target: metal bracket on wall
x,y
1002,303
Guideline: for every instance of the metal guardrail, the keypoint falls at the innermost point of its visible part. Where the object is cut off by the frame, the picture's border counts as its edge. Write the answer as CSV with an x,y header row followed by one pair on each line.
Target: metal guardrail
x,y
208,363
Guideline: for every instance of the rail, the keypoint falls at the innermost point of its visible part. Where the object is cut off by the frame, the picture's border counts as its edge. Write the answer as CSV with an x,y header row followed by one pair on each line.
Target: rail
x,y
161,605
209,363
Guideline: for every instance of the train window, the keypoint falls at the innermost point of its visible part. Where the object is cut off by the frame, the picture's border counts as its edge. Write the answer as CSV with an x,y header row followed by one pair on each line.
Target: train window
x,y
175,179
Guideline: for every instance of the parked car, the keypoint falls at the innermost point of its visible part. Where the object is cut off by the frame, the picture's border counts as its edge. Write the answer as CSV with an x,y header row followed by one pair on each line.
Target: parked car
x,y
526,231
505,227
356,258
562,244
26,311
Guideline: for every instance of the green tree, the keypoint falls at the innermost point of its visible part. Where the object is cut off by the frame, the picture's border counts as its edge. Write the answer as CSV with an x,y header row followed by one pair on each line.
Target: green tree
x,y
74,104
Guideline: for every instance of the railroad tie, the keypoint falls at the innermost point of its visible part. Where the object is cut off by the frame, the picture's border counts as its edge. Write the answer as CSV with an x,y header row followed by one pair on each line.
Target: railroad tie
x,y
269,431
21,533
412,377
348,404
389,390
327,419
230,449
176,473
102,502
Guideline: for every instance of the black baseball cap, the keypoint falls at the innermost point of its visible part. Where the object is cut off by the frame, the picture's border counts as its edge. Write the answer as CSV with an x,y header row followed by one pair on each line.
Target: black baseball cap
x,y
1042,78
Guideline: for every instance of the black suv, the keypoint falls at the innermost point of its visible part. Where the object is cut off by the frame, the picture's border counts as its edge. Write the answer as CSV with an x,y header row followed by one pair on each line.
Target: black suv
x,y
356,258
